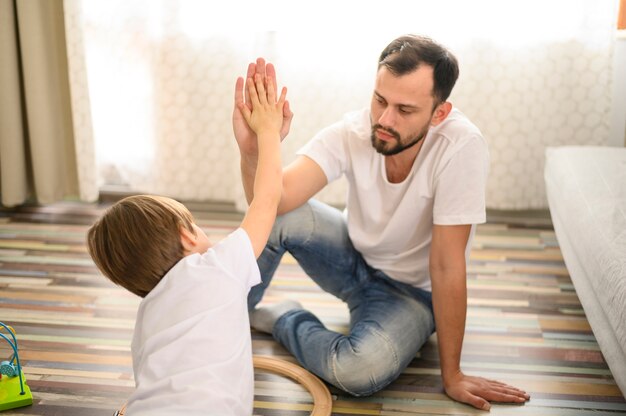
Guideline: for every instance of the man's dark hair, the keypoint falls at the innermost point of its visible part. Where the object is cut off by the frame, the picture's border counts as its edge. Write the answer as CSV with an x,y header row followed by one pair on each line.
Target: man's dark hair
x,y
406,53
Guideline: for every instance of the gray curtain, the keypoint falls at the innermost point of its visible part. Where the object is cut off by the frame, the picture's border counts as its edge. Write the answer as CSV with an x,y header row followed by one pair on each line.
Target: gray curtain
x,y
37,153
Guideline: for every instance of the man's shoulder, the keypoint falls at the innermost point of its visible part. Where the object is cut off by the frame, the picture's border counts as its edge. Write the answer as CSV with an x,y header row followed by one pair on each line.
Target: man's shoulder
x,y
356,122
353,126
358,116
455,135
458,124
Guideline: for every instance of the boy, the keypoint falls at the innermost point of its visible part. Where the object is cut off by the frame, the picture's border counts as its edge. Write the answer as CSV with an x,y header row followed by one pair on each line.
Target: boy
x,y
191,346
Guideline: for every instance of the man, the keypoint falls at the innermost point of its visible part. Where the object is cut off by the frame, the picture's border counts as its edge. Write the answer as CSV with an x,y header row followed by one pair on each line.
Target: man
x,y
416,170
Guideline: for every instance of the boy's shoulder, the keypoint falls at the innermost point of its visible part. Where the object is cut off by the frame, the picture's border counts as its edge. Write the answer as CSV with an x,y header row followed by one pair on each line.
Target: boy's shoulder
x,y
235,255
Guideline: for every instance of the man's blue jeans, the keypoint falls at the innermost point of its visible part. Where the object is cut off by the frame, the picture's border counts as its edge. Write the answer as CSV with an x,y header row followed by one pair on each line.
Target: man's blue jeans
x,y
389,320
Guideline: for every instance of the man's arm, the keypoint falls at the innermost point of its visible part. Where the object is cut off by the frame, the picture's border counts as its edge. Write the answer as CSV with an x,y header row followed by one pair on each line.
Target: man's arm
x,y
448,276
302,179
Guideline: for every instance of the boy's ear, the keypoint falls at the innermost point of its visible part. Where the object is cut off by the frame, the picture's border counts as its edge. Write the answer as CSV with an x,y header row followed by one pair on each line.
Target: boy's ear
x,y
188,240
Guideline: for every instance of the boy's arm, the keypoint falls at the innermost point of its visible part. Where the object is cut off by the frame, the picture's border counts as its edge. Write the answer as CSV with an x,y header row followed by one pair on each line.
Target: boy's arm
x,y
265,120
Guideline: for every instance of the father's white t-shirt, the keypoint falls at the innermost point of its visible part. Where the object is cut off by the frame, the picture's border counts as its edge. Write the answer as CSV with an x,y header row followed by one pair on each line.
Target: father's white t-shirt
x,y
191,347
390,224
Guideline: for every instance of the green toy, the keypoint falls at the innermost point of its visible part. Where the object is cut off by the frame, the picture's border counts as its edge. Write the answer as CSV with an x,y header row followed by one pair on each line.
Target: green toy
x,y
14,392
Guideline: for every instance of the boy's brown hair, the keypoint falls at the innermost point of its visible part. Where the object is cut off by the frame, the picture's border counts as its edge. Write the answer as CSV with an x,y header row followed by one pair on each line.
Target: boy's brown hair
x,y
138,240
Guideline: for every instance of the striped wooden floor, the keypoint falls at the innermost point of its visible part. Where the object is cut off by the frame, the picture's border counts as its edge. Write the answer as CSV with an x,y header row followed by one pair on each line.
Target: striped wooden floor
x,y
525,326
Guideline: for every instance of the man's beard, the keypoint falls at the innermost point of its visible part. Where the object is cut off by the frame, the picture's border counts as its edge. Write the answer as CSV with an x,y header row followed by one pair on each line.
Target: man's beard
x,y
393,149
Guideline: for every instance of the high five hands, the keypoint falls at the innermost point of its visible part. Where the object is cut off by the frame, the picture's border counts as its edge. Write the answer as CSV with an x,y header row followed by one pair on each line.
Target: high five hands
x,y
245,136
267,112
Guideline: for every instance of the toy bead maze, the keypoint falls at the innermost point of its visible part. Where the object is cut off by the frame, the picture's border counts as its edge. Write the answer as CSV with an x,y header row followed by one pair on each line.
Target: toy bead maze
x,y
14,392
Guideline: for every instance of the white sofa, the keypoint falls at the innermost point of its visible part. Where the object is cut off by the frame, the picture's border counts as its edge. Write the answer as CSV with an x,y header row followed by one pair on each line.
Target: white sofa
x,y
586,188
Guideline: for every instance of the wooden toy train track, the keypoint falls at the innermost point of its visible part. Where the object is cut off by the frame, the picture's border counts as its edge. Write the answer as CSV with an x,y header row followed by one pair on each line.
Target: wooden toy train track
x,y
322,401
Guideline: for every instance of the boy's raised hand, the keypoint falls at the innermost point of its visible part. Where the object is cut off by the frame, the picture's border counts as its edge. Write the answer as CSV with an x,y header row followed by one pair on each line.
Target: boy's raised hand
x,y
266,114
263,113
246,138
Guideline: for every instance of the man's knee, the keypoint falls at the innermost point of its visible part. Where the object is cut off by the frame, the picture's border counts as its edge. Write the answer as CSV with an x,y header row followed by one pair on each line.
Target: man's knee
x,y
293,226
363,367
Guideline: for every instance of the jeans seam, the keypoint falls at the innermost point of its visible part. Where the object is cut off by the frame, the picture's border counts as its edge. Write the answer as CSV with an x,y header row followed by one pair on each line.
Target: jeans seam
x,y
305,246
396,361
313,228
333,361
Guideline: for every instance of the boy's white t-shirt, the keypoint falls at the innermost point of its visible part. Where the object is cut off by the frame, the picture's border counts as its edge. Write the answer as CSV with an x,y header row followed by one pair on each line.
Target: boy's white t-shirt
x,y
191,347
390,224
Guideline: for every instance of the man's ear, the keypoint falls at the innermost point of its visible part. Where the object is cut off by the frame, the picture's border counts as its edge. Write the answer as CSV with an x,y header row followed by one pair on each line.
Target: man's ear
x,y
188,239
440,113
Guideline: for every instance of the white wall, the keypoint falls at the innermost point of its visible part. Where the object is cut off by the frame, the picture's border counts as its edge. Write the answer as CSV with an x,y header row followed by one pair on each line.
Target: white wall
x,y
160,89
617,135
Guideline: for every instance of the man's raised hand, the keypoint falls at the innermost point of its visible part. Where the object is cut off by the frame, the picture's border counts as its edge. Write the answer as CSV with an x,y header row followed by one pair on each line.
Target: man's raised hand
x,y
246,139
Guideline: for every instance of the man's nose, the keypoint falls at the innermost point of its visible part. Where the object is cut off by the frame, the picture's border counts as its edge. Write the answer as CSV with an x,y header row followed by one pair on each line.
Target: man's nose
x,y
387,117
